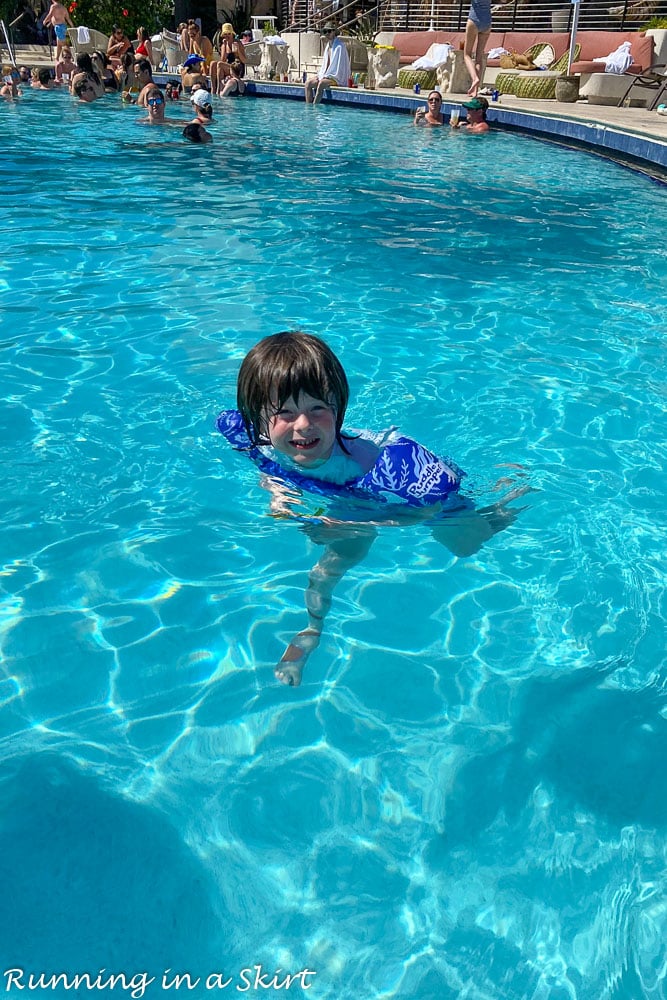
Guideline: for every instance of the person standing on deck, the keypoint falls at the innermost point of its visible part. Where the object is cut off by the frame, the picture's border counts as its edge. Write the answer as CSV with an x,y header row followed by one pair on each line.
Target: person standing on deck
x,y
478,29
58,16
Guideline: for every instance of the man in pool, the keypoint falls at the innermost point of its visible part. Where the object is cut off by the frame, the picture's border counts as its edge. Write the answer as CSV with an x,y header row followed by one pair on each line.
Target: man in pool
x,y
156,105
476,119
335,68
58,17
143,80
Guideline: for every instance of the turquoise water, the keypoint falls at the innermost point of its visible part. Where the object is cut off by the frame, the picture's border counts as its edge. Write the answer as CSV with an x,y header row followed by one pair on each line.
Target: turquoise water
x,y
466,797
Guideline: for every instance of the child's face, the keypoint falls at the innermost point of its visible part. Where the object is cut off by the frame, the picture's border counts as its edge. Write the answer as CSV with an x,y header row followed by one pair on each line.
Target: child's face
x,y
304,430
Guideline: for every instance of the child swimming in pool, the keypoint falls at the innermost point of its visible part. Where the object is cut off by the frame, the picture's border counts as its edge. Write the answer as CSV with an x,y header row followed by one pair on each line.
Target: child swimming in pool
x,y
292,394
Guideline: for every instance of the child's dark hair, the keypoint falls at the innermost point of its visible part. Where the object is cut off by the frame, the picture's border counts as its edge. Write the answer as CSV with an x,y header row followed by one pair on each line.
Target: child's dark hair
x,y
283,365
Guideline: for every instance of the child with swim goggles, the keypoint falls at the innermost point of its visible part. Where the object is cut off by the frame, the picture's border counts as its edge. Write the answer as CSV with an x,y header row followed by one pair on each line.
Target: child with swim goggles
x,y
292,394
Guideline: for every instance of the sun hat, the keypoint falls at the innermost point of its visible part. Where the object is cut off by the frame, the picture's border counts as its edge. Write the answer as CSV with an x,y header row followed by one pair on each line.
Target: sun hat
x,y
193,60
201,98
476,104
227,29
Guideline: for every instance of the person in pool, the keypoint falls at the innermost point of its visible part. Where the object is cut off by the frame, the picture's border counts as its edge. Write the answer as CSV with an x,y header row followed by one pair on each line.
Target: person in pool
x,y
156,107
195,132
202,107
476,119
432,115
65,65
292,394
10,83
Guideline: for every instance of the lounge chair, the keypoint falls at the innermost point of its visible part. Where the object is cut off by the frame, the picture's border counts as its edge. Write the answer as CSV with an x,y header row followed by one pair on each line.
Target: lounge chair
x,y
171,49
97,41
540,85
253,54
654,78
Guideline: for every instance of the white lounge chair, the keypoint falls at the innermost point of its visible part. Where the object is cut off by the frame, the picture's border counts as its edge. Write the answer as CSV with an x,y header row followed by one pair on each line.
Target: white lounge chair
x,y
97,41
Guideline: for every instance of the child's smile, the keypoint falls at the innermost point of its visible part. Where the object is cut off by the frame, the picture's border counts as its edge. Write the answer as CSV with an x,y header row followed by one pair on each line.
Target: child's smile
x,y
305,431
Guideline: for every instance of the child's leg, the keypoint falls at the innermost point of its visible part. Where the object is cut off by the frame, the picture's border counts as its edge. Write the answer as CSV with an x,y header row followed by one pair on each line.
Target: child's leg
x,y
341,553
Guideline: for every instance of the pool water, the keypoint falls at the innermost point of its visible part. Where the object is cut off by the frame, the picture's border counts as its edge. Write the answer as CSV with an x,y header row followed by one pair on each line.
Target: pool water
x,y
466,798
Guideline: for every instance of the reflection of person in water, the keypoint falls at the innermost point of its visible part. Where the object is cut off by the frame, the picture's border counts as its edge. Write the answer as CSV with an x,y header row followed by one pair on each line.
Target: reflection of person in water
x,y
292,394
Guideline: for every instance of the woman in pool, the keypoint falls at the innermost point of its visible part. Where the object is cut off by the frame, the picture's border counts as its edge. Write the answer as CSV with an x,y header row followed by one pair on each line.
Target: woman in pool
x,y
292,394
86,71
431,115
478,29
10,83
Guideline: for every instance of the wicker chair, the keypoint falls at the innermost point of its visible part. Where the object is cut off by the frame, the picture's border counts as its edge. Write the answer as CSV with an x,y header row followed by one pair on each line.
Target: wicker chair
x,y
426,78
540,85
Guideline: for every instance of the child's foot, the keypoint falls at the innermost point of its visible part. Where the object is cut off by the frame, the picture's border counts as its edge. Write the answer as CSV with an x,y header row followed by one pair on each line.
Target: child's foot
x,y
294,658
474,87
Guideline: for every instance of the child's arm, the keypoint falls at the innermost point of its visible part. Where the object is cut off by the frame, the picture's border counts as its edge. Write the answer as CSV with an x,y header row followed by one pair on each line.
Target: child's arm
x,y
282,497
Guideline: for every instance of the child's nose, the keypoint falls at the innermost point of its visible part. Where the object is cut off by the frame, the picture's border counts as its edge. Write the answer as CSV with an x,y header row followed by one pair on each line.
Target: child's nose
x,y
302,421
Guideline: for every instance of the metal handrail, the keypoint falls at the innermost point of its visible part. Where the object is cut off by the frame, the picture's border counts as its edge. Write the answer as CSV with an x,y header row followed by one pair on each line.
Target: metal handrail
x,y
8,43
451,15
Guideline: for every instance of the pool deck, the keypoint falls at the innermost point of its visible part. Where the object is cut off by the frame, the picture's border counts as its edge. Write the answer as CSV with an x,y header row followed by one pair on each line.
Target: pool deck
x,y
632,135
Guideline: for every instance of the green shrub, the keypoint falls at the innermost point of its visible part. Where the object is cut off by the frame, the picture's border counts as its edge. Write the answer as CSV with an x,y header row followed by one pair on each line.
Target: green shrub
x,y
128,15
655,22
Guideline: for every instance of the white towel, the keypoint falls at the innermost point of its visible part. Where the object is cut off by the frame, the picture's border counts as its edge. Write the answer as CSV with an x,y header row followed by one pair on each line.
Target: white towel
x,y
619,60
82,35
497,53
436,55
274,40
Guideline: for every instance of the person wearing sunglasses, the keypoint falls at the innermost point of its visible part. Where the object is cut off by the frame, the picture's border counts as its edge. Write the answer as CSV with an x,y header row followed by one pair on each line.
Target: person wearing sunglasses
x,y
118,45
227,74
155,104
335,68
84,90
431,114
196,44
86,71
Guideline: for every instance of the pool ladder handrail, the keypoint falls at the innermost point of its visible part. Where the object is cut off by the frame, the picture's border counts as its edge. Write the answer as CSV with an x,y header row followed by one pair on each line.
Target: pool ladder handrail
x,y
8,43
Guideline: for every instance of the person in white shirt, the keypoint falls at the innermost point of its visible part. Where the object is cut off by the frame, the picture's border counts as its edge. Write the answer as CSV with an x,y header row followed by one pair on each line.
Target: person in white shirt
x,y
335,68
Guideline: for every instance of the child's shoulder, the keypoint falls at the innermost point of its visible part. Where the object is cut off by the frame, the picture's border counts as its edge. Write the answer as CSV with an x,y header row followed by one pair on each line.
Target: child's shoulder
x,y
365,446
